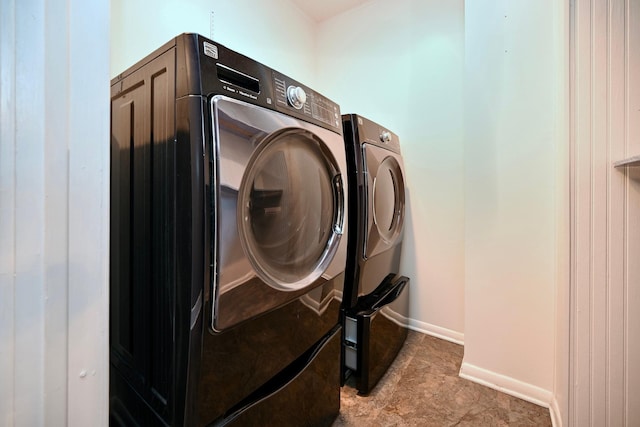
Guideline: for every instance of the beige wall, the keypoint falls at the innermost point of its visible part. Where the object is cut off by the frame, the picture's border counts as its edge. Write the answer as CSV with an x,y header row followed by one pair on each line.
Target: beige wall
x,y
401,64
514,115
271,31
481,131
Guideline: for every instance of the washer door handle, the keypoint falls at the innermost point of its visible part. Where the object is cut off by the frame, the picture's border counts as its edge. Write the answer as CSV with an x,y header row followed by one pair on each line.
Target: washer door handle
x,y
338,202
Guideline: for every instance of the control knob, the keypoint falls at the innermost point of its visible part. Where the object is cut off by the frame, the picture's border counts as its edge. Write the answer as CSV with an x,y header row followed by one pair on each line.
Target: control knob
x,y
385,136
296,96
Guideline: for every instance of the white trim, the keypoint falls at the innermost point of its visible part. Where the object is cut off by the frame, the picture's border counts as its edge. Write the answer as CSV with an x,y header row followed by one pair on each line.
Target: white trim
x,y
603,383
562,259
88,211
508,385
7,211
436,331
554,412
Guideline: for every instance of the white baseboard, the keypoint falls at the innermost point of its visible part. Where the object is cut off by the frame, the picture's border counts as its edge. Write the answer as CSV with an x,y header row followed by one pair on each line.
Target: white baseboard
x,y
508,385
554,411
436,331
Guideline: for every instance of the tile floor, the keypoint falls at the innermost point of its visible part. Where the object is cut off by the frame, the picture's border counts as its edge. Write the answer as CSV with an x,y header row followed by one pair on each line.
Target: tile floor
x,y
422,388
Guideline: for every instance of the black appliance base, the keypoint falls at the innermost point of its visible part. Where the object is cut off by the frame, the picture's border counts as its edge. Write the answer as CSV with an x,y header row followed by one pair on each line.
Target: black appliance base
x,y
307,393
372,336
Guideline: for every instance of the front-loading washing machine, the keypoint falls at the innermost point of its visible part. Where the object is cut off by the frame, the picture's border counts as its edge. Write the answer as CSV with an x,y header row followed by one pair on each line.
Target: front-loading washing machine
x,y
228,242
375,305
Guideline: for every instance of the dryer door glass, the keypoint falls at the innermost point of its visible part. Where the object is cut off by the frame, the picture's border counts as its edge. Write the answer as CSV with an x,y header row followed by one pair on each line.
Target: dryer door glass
x,y
386,199
289,208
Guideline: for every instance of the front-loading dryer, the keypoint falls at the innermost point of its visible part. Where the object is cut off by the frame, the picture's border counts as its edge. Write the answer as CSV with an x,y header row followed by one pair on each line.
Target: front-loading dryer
x,y
228,242
376,295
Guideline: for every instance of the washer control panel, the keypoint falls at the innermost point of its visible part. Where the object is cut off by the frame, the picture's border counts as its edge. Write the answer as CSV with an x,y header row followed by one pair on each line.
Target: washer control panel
x,y
293,96
296,96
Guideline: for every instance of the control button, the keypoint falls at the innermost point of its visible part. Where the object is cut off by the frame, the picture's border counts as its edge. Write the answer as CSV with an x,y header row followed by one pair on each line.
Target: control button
x,y
385,136
296,96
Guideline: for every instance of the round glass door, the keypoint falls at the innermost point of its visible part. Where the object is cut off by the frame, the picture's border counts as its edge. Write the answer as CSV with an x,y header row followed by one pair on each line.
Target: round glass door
x,y
290,209
388,199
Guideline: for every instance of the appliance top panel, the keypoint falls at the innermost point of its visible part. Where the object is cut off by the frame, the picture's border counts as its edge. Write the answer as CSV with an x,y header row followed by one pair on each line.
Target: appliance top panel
x,y
224,71
206,68
367,131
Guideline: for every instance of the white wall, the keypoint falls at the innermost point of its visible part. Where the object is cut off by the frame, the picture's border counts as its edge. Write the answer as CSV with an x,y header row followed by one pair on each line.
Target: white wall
x,y
400,64
559,405
54,212
514,112
273,32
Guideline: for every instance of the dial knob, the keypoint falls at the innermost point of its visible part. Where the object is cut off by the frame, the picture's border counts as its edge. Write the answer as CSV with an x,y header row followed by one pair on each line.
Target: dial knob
x,y
385,136
297,96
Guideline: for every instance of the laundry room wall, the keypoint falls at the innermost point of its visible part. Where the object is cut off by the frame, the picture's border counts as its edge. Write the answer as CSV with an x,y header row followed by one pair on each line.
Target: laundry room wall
x,y
274,32
516,68
401,64
485,192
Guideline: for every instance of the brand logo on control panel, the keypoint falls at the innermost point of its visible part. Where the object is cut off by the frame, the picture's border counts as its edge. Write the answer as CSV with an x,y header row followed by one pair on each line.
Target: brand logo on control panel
x,y
211,50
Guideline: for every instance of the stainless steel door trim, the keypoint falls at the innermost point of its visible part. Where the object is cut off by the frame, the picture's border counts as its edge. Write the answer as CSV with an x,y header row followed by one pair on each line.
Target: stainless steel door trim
x,y
239,129
375,239
339,203
269,205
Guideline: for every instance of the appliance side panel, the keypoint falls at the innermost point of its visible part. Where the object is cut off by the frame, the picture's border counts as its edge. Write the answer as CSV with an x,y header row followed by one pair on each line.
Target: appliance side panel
x,y
141,272
162,201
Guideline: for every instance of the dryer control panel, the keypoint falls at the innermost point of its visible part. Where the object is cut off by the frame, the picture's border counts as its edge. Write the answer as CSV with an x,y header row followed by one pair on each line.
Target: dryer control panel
x,y
373,133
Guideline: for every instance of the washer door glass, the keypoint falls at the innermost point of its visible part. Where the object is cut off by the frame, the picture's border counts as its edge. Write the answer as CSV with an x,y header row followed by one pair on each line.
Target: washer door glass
x,y
289,209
